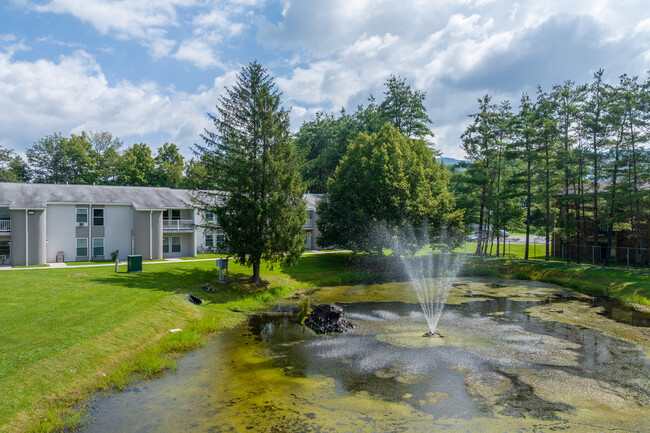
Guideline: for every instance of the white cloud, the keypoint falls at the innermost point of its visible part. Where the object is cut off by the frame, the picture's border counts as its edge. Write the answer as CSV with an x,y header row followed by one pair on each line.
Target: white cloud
x,y
153,22
370,46
72,94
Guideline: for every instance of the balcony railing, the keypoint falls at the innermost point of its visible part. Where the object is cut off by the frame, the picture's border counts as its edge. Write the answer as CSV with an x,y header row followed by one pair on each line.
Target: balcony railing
x,y
178,225
5,225
309,223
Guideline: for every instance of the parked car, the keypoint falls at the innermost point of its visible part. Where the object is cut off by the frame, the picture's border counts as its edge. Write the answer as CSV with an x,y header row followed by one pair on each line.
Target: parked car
x,y
473,237
502,233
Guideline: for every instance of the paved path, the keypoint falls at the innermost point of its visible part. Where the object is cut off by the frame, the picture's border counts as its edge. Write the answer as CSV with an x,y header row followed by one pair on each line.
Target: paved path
x,y
144,262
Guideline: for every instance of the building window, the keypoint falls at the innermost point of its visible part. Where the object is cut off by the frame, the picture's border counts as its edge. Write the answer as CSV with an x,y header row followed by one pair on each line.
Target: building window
x,y
98,217
82,247
82,216
209,241
209,217
176,244
221,238
98,247
166,244
174,213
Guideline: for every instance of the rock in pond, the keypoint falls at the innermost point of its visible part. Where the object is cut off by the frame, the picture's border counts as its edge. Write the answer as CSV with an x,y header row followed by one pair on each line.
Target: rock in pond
x,y
327,319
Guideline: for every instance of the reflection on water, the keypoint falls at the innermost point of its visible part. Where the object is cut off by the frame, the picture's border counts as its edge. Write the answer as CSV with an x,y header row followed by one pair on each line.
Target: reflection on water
x,y
497,368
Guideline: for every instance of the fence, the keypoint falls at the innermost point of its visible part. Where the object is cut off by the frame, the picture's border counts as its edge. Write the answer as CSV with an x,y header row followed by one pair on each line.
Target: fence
x,y
600,255
568,253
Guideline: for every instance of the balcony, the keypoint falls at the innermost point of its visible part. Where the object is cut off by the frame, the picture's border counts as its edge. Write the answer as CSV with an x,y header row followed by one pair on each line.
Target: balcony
x,y
5,226
309,224
178,225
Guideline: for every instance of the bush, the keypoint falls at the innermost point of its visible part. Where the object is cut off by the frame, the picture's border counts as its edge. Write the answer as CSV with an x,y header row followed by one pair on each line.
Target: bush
x,y
305,310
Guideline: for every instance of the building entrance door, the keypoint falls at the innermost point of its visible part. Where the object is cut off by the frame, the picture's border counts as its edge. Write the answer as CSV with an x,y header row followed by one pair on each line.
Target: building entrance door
x,y
5,252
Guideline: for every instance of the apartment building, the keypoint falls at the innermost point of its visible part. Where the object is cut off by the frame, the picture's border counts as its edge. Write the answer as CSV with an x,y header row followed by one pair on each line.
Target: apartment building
x,y
45,223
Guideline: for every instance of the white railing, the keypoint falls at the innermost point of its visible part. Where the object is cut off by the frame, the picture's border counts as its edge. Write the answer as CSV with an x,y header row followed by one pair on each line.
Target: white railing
x,y
178,225
5,225
309,223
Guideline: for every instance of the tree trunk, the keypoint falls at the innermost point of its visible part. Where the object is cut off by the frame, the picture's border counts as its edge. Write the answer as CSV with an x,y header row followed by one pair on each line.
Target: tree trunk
x,y
256,272
528,204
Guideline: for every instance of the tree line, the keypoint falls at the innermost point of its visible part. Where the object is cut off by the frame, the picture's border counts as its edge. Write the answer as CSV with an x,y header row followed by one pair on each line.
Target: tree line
x,y
570,161
100,158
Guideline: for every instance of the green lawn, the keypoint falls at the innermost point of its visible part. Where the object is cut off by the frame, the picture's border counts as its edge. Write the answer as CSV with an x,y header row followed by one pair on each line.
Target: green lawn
x,y
627,287
66,333
204,256
96,262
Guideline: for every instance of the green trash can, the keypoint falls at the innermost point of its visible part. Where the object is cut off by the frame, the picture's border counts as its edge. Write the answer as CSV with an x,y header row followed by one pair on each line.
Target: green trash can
x,y
134,263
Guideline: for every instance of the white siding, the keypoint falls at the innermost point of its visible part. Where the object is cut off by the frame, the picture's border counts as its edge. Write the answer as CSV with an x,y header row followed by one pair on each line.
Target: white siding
x,y
60,220
117,230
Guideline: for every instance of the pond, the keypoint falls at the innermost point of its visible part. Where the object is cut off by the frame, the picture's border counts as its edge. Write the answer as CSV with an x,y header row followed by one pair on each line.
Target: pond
x,y
516,356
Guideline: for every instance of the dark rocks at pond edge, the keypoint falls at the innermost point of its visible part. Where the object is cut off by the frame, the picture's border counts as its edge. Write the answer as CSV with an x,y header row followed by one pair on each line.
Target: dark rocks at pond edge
x,y
193,299
327,319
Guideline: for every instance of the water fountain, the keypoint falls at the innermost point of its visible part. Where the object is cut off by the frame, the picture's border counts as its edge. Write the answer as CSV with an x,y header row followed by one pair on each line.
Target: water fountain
x,y
431,276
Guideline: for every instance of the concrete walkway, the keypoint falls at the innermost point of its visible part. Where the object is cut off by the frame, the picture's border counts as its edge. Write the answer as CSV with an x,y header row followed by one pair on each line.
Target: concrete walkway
x,y
144,262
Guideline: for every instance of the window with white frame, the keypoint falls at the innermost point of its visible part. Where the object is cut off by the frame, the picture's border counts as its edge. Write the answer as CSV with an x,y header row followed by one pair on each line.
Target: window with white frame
x,y
98,217
176,244
98,247
209,241
166,244
82,247
209,216
82,216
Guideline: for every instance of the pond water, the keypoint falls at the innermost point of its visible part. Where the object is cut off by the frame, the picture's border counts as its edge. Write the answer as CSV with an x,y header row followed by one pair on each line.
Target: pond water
x,y
516,356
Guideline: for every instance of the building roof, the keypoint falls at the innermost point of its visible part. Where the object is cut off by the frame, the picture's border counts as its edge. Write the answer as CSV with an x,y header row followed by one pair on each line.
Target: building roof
x,y
312,200
37,196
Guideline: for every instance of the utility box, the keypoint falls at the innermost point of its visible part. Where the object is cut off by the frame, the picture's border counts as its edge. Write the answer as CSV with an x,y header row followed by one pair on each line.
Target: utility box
x,y
134,263
222,264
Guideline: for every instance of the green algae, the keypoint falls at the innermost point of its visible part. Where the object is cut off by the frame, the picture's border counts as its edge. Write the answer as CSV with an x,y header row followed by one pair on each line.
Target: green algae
x,y
245,383
464,290
582,314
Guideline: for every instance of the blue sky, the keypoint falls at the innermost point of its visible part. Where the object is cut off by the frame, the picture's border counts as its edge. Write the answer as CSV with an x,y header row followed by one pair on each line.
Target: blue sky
x,y
149,70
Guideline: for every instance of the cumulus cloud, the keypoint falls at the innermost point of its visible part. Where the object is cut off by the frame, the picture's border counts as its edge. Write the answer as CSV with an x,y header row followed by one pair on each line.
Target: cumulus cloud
x,y
328,55
454,51
72,94
202,25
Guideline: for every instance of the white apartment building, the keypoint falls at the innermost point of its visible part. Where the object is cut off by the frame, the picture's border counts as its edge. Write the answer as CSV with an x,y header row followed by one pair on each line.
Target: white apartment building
x,y
45,223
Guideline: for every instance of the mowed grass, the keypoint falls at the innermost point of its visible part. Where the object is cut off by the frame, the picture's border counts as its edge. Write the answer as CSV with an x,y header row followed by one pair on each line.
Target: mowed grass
x,y
627,287
66,333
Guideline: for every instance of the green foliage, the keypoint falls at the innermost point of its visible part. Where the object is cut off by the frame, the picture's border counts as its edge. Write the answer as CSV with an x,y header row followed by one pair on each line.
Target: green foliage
x,y
386,186
57,159
169,166
259,204
404,109
323,141
137,166
305,310
12,167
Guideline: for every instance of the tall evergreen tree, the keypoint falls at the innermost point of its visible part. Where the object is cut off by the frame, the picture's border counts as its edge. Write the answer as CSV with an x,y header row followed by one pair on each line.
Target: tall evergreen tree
x,y
259,200
479,144
404,108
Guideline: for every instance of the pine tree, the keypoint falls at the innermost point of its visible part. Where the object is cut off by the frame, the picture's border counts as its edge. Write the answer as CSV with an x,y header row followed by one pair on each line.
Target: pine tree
x,y
259,199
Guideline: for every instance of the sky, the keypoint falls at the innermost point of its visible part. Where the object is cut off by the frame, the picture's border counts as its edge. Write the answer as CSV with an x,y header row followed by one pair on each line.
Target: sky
x,y
150,70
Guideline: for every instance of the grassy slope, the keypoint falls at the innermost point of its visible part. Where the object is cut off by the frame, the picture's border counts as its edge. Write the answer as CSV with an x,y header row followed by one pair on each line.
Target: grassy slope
x,y
628,287
68,332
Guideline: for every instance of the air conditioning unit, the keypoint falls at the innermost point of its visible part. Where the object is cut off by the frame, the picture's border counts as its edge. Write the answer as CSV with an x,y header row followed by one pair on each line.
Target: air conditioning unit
x,y
81,224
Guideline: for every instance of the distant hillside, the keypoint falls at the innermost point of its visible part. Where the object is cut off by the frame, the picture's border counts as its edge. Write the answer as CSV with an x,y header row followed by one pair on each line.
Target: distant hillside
x,y
449,161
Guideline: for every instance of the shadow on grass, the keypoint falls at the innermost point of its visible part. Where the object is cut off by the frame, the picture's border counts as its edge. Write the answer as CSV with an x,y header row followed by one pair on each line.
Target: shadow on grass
x,y
186,281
